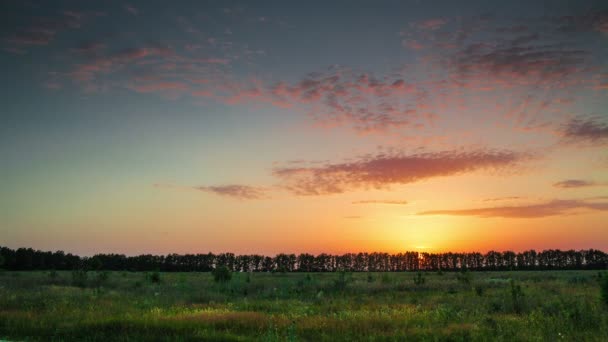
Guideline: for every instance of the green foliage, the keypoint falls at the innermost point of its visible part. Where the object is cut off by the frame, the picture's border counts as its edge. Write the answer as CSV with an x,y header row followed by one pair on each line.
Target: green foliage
x,y
79,278
479,290
370,278
153,277
419,279
342,281
464,276
221,274
101,278
386,278
604,289
517,297
53,275
304,307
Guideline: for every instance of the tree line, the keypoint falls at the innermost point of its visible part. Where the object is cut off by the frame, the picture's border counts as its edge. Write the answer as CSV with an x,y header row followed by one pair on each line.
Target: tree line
x,y
23,259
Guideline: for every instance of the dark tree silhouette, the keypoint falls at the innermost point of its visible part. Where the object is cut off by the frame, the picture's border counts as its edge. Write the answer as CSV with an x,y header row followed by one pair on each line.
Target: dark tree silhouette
x,y
24,259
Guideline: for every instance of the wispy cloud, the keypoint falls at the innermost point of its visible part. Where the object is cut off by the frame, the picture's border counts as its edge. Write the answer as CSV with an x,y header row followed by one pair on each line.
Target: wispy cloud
x,y
131,9
383,170
496,199
586,130
551,208
236,191
574,183
390,202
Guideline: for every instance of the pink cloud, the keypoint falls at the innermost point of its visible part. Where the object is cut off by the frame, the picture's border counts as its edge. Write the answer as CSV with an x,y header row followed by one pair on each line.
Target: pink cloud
x,y
551,208
383,170
431,24
159,86
236,191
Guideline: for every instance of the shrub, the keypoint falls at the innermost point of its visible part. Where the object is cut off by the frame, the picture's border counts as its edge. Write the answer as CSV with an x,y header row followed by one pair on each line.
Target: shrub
x,y
370,278
341,282
419,279
79,278
53,274
479,290
604,289
102,277
154,277
464,276
517,296
221,274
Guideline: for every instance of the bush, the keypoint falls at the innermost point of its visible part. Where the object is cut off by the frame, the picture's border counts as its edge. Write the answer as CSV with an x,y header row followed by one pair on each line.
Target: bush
x,y
79,278
221,274
464,277
341,282
370,278
102,277
53,274
604,289
479,290
517,297
154,277
419,279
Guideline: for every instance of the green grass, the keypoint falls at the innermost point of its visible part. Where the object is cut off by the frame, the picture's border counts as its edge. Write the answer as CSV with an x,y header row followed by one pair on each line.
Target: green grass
x,y
123,306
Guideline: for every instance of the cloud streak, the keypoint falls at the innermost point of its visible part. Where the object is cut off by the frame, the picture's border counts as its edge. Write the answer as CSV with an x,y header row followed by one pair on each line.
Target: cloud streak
x,y
237,191
389,202
384,170
586,130
573,183
551,208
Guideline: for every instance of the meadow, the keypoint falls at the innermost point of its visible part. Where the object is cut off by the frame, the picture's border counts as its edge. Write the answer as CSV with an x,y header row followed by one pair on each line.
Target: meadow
x,y
338,306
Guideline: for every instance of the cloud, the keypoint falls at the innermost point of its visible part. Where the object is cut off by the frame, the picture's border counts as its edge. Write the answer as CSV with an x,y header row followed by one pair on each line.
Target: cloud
x,y
519,61
431,24
595,20
380,202
131,9
496,199
573,183
40,31
159,86
383,170
551,208
236,191
587,130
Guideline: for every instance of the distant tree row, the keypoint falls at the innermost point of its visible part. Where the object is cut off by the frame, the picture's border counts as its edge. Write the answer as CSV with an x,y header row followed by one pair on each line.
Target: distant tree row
x,y
29,259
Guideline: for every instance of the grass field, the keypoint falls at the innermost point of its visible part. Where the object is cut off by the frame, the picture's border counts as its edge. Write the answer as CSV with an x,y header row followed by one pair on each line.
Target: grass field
x,y
478,306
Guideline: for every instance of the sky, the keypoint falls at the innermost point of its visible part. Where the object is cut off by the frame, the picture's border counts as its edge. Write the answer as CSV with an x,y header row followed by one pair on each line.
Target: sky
x,y
317,126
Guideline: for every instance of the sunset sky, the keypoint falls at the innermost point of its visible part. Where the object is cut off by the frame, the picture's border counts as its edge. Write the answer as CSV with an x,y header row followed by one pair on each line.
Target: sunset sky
x,y
303,126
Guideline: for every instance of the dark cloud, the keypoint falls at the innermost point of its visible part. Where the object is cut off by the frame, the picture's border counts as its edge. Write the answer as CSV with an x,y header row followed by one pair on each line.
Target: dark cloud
x,y
519,61
383,170
573,183
236,191
552,208
588,130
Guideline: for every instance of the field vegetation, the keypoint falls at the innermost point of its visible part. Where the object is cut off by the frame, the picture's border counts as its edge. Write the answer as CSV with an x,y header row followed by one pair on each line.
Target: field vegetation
x,y
281,306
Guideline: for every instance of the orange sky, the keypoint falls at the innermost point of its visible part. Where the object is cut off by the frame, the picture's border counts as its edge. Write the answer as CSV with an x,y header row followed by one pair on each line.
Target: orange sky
x,y
252,129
